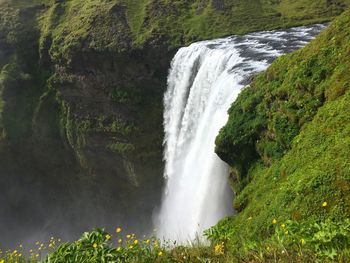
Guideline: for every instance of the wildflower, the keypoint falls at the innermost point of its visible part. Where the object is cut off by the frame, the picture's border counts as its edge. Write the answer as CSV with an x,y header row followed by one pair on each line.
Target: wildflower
x,y
31,251
302,241
19,255
274,221
94,245
118,230
148,241
219,248
37,255
108,237
120,240
286,232
283,225
20,245
131,247
250,218
324,204
2,261
160,253
119,248
136,241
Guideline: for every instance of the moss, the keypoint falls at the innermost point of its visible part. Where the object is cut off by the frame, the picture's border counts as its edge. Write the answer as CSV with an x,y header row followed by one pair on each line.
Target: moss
x,y
300,147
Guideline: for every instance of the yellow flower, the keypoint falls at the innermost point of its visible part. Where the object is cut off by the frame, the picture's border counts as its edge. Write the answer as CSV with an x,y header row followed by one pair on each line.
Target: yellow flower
x,y
136,241
302,241
119,240
160,253
148,241
31,251
119,248
131,247
219,248
286,232
118,230
324,204
283,225
274,221
2,261
108,237
37,255
128,236
94,245
19,254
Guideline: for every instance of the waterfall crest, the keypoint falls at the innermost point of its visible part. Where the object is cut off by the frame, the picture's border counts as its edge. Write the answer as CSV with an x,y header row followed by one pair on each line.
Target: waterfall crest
x,y
204,79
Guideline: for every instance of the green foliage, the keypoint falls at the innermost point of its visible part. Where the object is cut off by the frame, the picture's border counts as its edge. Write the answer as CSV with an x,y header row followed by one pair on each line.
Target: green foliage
x,y
296,116
291,241
96,246
270,113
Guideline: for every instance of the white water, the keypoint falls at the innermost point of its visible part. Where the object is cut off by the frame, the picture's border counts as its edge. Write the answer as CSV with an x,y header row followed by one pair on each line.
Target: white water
x,y
204,79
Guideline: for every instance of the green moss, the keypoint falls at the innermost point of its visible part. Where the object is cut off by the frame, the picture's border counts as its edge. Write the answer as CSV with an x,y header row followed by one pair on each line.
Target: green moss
x,y
298,126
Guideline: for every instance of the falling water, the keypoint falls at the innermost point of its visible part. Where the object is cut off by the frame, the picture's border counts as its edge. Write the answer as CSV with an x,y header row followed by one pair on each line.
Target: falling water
x,y
204,79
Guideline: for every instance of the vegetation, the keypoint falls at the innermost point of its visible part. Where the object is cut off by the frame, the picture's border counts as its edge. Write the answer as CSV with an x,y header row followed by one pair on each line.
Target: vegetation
x,y
286,141
291,242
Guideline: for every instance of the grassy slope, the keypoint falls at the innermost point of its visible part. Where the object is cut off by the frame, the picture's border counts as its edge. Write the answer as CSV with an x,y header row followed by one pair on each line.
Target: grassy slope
x,y
118,24
293,126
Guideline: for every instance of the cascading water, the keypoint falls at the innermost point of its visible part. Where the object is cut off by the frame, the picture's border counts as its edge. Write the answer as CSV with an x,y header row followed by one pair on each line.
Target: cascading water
x,y
205,78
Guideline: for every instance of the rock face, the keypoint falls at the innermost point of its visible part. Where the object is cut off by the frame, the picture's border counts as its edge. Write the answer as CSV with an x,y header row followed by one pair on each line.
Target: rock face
x,y
81,88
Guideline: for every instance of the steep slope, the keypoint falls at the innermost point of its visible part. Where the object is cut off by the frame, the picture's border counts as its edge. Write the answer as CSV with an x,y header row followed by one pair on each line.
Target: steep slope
x,y
287,140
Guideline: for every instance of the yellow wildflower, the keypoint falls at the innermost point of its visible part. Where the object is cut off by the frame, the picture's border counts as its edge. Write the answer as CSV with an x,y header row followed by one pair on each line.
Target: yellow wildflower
x,y
108,237
274,221
302,241
120,240
2,261
131,247
283,225
286,232
119,248
118,230
37,255
160,253
136,241
128,236
219,248
324,204
94,245
148,241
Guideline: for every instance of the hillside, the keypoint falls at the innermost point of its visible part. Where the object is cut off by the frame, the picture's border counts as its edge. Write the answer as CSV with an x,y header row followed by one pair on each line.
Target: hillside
x,y
287,140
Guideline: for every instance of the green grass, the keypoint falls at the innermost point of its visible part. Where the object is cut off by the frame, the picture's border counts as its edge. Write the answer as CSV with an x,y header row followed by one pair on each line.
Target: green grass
x,y
287,141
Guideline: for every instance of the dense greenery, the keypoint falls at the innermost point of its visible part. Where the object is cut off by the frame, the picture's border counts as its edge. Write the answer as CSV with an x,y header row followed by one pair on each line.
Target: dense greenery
x,y
292,126
290,242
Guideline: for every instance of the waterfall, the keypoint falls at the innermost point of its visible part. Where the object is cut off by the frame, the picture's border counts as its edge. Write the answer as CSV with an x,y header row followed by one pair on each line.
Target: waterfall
x,y
204,79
